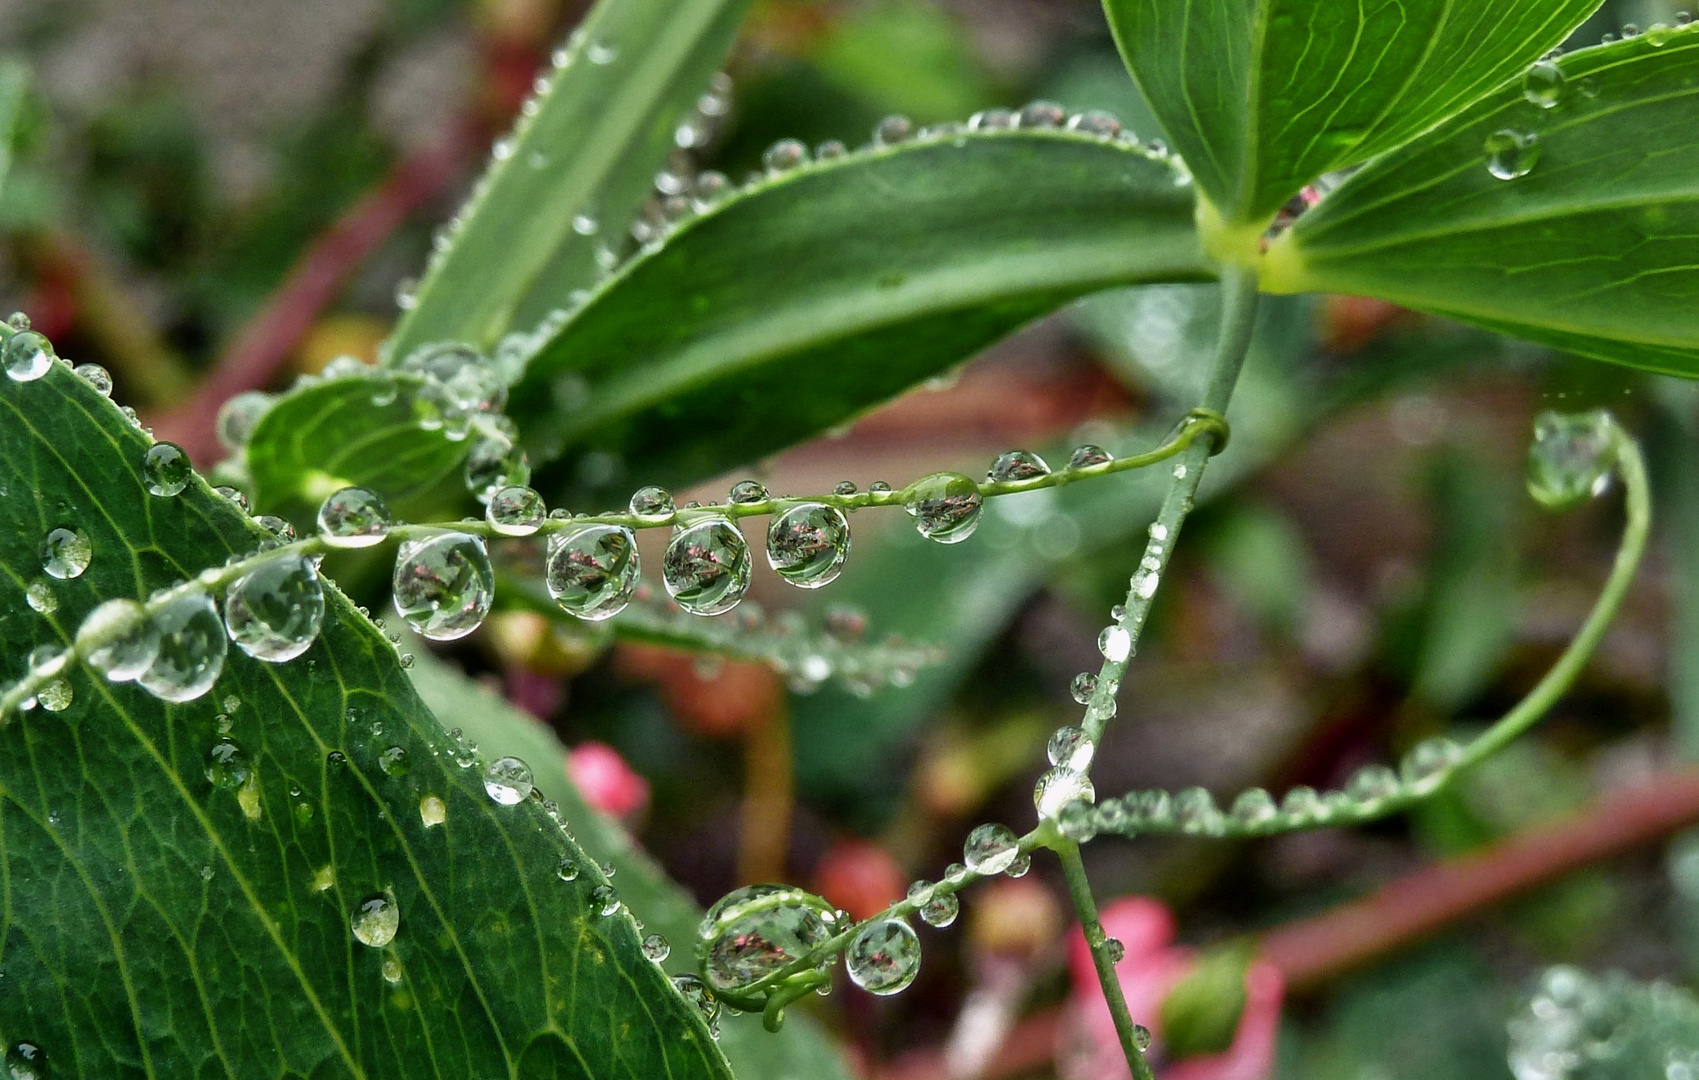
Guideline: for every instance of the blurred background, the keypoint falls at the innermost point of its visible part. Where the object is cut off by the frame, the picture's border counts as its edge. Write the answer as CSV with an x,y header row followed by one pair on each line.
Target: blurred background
x,y
219,195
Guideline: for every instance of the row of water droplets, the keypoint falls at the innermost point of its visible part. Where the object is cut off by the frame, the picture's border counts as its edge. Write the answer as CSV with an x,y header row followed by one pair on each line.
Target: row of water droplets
x,y
1512,152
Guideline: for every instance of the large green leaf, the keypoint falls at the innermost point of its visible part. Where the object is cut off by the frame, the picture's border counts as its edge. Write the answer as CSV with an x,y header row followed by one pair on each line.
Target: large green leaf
x,y
588,151
1595,250
1263,96
816,294
799,1049
156,924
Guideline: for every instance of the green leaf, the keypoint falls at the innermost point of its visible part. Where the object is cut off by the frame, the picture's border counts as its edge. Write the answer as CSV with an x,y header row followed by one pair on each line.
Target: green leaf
x,y
158,924
1201,1013
631,73
1594,250
814,295
800,1048
14,93
1262,98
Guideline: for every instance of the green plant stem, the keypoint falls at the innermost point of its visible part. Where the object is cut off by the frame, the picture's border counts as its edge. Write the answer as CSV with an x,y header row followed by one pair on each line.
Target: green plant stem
x,y
1079,891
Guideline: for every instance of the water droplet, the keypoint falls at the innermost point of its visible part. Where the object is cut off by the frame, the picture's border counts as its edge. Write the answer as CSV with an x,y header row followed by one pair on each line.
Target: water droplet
x,y
226,766
432,811
1253,809
655,947
937,909
707,566
1430,761
990,848
879,487
844,488
192,647
756,930
393,762
376,920
830,149
354,517
1117,952
27,356
26,1061
945,506
459,381
1372,784
1083,687
282,532
651,504
604,900
567,868
695,991
97,377
1089,456
65,553
443,584
602,52
1141,1036
1542,84
238,417
492,464
592,572
1115,644
784,155
1059,787
991,120
1071,748
1571,457
516,511
745,492
1300,804
274,611
1511,154
56,696
40,597
1195,811
1016,466
893,130
884,958
235,495
166,469
1041,114
1095,122
508,781
808,543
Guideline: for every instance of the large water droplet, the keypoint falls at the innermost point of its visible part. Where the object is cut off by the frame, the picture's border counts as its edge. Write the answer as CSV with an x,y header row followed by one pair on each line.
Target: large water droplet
x,y
118,640
1060,787
226,766
1087,456
945,506
65,553
192,647
707,566
1511,153
884,958
593,571
756,930
1071,748
990,848
508,781
443,584
166,469
516,511
1571,457
274,611
27,356
1016,466
354,517
238,417
1542,84
376,920
808,543
1115,643
56,696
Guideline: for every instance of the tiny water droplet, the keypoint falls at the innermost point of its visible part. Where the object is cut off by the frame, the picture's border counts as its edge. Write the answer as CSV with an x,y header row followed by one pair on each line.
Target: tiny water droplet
x,y
65,553
238,417
990,849
893,130
516,510
604,900
567,868
651,504
1095,122
1016,466
991,120
393,762
785,155
191,652
1088,456
166,469
443,584
1058,788
1071,748
1542,84
844,488
508,781
274,612
1511,154
1372,784
354,517
235,495
56,696
884,958
1115,644
745,492
376,920
1083,687
1253,809
695,991
655,947
226,765
1141,1034
808,544
939,909
40,597
602,52
27,356
1429,761
707,566
945,506
97,377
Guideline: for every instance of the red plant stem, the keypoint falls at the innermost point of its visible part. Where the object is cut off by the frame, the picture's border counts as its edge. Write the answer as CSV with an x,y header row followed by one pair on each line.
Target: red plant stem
x,y
1313,951
318,277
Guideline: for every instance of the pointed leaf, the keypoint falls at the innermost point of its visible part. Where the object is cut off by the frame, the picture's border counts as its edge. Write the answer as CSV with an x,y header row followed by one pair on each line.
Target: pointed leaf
x,y
159,924
1262,97
1594,250
817,294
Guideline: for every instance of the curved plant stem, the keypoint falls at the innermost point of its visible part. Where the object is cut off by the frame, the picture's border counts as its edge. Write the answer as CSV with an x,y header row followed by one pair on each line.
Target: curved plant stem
x,y
1079,891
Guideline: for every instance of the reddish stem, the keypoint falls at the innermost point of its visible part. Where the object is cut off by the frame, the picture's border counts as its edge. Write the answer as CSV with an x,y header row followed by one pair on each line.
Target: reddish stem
x,y
318,277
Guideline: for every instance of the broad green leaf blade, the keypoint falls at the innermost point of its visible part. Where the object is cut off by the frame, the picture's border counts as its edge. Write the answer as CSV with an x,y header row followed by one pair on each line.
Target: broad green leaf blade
x,y
590,150
812,296
359,429
1263,97
800,1048
157,924
1594,250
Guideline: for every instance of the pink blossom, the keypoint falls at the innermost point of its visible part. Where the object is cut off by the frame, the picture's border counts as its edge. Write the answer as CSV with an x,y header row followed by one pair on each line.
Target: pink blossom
x,y
604,779
1152,966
